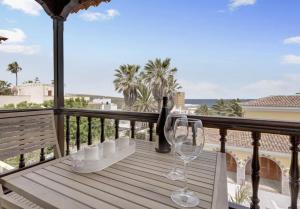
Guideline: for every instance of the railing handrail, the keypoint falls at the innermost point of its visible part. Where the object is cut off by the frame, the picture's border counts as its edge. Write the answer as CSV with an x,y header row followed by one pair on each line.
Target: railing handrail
x,y
120,115
230,123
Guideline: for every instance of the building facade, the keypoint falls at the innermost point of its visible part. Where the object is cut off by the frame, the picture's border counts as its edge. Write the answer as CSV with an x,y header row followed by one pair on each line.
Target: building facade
x,y
29,92
179,100
273,108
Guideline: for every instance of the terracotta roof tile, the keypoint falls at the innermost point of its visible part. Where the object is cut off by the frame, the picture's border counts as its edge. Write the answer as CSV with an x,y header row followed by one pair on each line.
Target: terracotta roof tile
x,y
275,101
269,142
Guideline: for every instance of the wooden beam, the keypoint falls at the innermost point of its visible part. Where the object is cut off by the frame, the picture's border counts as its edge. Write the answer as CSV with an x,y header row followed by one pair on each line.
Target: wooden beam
x,y
58,55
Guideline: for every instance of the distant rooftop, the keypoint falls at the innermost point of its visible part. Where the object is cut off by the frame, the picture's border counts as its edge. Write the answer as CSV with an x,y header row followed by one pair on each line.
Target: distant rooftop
x,y
269,142
274,101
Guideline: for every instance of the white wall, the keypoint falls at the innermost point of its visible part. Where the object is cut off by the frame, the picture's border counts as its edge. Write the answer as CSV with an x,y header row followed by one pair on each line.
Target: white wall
x,y
36,91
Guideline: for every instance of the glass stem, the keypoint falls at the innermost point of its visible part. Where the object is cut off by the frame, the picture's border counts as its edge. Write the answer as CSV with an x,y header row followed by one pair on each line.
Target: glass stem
x,y
174,157
185,188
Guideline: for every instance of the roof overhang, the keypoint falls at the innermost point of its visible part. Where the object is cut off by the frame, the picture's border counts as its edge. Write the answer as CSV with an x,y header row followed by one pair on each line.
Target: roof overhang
x,y
2,39
62,8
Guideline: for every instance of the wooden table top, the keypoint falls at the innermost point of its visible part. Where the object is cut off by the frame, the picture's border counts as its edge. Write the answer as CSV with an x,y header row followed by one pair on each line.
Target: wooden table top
x,y
134,183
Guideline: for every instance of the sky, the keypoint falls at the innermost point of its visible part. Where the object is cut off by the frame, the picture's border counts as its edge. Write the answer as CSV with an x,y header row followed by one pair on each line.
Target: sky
x,y
222,48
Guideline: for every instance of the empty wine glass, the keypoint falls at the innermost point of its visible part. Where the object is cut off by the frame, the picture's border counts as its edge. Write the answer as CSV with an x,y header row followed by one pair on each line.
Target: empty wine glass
x,y
189,142
175,173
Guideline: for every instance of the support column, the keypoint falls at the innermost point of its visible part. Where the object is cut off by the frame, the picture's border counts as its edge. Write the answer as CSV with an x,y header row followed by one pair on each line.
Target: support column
x,y
58,55
240,175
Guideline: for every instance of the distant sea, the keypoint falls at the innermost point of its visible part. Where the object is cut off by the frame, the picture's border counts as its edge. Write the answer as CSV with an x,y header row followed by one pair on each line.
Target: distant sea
x,y
208,102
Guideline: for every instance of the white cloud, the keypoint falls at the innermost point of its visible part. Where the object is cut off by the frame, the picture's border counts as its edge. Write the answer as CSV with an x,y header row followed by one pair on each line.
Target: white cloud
x,y
201,89
96,16
238,3
14,43
287,85
20,49
14,36
291,59
292,40
30,7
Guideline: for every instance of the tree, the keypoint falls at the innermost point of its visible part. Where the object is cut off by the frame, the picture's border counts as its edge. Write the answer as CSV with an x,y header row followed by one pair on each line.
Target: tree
x,y
172,88
157,74
127,83
234,109
203,110
14,68
145,101
220,108
5,88
230,108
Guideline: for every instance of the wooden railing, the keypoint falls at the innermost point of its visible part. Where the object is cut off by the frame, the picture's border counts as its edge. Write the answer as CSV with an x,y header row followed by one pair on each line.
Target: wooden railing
x,y
256,127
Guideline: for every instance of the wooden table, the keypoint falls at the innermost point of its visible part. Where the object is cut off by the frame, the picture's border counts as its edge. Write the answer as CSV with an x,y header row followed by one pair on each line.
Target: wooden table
x,y
134,183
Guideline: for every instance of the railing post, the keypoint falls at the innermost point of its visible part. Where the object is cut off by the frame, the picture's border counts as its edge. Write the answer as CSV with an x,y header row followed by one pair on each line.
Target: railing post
x,y
89,130
22,161
255,170
116,129
78,132
132,127
42,155
102,121
67,135
223,134
151,125
294,171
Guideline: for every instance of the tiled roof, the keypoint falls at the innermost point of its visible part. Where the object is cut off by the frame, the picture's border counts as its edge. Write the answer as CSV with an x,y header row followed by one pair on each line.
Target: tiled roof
x,y
269,142
275,101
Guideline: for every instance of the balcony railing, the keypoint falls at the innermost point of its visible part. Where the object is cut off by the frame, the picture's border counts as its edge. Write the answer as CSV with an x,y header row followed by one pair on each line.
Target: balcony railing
x,y
256,127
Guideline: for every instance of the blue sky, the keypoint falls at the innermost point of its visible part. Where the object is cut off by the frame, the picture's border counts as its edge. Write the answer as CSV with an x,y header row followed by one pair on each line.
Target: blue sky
x,y
222,48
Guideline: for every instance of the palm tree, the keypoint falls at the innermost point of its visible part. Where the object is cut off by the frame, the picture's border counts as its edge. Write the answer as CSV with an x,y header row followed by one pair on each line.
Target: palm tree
x,y
220,107
173,87
203,110
156,75
127,83
5,88
234,109
145,101
15,69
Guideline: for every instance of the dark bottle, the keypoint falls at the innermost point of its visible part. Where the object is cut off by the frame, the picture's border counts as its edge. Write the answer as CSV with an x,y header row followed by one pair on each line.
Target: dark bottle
x,y
163,145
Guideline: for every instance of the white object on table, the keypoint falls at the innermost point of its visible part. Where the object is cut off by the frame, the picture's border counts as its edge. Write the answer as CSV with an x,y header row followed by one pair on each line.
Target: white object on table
x,y
80,165
91,153
122,143
109,148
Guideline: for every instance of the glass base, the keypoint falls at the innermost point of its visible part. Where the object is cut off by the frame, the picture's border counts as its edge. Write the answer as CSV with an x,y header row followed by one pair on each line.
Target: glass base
x,y
175,174
185,198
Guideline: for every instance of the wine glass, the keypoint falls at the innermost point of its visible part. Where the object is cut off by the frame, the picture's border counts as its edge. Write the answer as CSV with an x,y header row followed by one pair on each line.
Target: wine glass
x,y
175,173
189,142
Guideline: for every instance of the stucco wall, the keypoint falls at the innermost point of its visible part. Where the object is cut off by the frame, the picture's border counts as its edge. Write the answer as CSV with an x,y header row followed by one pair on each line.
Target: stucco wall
x,y
291,116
